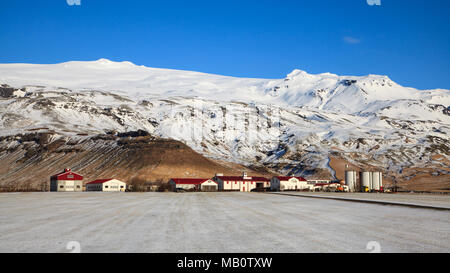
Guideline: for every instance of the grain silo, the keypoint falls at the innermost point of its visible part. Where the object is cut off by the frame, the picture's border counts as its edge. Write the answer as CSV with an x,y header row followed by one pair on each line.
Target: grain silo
x,y
376,183
366,181
350,180
377,180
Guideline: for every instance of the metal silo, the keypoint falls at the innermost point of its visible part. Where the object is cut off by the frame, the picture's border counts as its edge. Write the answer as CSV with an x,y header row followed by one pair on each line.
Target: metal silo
x,y
379,179
376,181
350,180
366,181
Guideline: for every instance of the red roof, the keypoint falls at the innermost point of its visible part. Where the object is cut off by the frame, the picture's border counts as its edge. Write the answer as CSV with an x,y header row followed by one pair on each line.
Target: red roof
x,y
195,181
67,174
241,178
289,177
99,181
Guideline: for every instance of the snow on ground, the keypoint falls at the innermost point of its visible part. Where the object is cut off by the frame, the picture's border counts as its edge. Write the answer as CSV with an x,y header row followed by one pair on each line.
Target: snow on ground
x,y
212,222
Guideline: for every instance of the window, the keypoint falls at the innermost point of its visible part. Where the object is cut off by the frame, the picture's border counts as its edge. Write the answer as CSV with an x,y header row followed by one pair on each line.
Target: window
x,y
78,186
70,176
121,187
61,186
106,186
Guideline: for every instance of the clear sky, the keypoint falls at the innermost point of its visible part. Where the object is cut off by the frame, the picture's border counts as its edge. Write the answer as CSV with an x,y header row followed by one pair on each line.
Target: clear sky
x,y
408,40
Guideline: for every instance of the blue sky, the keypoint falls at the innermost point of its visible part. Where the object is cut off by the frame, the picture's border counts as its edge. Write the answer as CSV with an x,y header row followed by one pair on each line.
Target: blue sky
x,y
408,40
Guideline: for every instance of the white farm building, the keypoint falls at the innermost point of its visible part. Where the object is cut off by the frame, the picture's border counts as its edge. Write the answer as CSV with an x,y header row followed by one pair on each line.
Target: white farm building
x,y
106,185
194,184
241,183
289,183
66,181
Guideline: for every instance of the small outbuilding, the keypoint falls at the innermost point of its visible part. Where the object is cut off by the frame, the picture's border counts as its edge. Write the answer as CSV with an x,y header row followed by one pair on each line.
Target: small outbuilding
x,y
289,183
66,181
108,185
194,184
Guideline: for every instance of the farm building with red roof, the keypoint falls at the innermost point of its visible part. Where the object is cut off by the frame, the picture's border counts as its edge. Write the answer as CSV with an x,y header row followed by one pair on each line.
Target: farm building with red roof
x,y
289,183
66,181
241,183
194,184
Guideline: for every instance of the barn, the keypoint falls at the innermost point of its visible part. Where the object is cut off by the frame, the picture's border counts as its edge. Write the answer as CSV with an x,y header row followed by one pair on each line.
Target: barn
x,y
66,181
241,183
289,183
107,185
194,184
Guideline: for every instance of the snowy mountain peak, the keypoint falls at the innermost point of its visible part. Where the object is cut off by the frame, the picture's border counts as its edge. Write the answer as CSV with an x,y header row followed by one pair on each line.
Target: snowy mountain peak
x,y
296,72
104,61
350,94
101,63
290,125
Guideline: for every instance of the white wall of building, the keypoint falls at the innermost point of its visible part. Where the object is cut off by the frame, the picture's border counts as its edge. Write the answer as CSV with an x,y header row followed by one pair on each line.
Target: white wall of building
x,y
112,185
209,183
206,183
245,185
289,185
185,186
69,185
316,181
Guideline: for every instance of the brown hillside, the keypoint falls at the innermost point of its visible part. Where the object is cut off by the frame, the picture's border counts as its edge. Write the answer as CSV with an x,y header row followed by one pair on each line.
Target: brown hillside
x,y
30,160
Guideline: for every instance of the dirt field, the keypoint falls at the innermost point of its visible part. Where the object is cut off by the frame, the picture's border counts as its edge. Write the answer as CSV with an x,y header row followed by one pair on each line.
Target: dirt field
x,y
213,222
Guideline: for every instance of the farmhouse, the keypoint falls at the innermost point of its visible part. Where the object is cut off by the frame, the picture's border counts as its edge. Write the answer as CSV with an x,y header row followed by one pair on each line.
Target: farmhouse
x,y
196,184
289,183
241,183
66,181
108,185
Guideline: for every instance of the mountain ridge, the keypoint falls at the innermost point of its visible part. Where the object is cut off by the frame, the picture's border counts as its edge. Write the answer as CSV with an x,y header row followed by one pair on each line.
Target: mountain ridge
x,y
293,125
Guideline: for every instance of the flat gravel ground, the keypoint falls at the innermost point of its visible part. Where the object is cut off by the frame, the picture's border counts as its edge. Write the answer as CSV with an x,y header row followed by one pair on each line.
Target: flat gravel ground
x,y
433,200
213,222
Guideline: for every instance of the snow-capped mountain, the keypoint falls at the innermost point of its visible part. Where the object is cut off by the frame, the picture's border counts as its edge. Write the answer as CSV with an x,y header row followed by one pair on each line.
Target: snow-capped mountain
x,y
296,125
